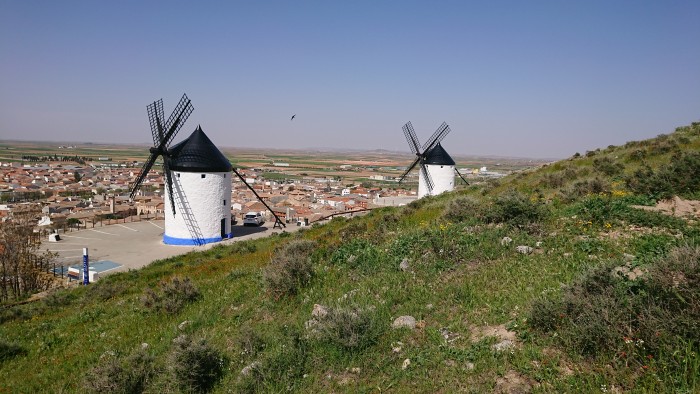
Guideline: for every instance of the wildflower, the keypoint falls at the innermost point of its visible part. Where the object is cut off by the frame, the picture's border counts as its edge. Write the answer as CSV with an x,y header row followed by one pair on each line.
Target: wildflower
x,y
627,340
608,225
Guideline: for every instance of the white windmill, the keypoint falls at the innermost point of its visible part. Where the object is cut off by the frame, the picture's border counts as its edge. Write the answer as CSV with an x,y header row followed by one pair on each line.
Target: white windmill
x,y
198,207
198,175
437,168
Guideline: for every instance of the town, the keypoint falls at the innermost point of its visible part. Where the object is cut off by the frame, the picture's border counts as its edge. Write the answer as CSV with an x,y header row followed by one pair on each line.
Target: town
x,y
79,191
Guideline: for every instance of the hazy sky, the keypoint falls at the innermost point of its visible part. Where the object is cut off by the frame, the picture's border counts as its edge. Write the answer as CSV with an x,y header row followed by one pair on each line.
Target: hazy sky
x,y
525,78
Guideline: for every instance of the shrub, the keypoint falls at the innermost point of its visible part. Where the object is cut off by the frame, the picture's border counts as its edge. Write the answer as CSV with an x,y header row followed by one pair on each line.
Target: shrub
x,y
355,228
515,208
280,368
250,340
10,350
195,365
552,180
106,290
462,208
14,313
607,166
59,298
678,177
130,374
545,314
348,327
585,187
637,155
608,314
243,247
172,297
290,268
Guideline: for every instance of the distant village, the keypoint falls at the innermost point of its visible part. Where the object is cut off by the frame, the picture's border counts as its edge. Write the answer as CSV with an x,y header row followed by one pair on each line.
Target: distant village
x,y
81,194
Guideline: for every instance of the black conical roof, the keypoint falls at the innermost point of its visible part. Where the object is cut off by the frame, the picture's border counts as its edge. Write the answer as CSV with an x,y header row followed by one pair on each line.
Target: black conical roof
x,y
438,156
198,154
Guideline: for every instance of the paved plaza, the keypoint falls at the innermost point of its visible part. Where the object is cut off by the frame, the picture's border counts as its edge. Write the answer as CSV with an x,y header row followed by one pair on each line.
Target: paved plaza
x,y
132,245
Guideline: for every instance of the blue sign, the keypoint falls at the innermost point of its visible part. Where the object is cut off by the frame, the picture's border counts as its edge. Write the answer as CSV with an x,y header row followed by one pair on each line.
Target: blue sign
x,y
86,268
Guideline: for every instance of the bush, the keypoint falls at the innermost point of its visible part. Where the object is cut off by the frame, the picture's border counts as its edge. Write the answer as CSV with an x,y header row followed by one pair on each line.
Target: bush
x,y
105,290
515,208
121,375
678,177
195,365
354,229
59,298
250,340
10,350
462,208
348,327
607,166
637,155
545,314
14,313
280,368
608,314
290,269
586,187
243,247
173,295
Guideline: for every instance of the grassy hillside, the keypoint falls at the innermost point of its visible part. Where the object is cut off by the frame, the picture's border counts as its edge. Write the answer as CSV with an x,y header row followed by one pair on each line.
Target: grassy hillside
x,y
551,280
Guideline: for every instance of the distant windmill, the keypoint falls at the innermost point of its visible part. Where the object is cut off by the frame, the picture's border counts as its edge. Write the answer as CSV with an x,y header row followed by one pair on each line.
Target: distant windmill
x,y
198,207
436,166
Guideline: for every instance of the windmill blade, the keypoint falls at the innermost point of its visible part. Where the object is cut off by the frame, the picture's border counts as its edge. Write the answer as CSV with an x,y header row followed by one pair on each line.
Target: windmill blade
x,y
155,118
144,170
169,178
437,136
277,219
460,175
411,137
176,120
409,169
426,177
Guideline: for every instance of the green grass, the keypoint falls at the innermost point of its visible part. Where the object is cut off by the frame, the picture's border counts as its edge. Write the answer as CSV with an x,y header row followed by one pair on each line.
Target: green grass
x,y
461,278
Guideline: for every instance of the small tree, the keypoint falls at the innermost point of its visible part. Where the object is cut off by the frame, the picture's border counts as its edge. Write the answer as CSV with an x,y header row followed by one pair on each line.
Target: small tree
x,y
23,269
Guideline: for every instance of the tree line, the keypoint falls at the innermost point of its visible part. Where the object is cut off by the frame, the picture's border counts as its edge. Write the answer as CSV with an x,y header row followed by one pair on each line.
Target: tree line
x,y
76,158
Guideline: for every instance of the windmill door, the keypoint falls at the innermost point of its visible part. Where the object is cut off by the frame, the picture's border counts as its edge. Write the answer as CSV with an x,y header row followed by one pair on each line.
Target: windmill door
x,y
223,228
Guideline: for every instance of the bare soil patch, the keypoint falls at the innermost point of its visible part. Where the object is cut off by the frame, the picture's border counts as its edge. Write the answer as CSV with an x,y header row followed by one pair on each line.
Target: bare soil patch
x,y
675,207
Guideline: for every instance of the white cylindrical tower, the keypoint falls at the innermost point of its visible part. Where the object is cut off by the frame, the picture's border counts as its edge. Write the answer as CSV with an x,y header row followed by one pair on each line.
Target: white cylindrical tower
x,y
441,168
201,183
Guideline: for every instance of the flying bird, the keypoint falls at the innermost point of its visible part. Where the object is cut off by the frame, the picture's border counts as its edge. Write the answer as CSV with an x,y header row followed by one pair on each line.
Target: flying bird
x,y
293,116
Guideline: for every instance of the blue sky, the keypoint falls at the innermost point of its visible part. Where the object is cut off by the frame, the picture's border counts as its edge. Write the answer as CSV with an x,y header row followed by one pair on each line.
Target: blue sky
x,y
512,78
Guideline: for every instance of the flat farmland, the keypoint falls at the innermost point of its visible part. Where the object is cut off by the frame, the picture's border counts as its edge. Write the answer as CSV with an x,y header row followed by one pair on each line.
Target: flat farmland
x,y
276,163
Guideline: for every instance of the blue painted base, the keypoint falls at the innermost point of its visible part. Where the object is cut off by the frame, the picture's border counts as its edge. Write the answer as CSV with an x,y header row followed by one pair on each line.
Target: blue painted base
x,y
191,241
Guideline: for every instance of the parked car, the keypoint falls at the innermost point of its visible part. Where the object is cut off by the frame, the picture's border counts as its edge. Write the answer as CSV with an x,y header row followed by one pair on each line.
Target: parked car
x,y
253,219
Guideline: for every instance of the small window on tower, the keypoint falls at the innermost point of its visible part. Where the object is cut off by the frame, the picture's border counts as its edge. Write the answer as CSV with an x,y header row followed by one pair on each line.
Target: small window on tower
x,y
224,202
178,174
204,175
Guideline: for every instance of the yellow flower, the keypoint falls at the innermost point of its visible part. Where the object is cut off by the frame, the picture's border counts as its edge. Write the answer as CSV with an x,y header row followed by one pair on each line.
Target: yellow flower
x,y
608,225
